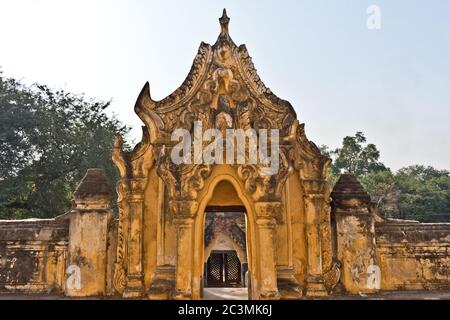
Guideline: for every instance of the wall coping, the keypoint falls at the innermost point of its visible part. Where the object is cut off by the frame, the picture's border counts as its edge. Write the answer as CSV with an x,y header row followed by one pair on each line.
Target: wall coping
x,y
34,230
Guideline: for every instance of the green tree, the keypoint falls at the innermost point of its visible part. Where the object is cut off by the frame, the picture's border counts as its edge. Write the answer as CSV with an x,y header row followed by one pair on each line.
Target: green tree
x,y
332,174
356,156
48,139
384,191
425,193
415,192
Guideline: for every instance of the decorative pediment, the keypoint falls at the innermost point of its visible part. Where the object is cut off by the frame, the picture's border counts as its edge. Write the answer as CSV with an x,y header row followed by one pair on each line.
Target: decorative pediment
x,y
222,88
222,91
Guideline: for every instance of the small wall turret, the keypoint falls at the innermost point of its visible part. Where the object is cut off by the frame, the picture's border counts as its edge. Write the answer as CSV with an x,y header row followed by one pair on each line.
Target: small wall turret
x,y
88,234
355,236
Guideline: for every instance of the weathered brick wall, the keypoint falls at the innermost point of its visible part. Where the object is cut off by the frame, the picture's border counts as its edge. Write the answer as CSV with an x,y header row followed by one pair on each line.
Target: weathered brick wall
x,y
33,255
412,255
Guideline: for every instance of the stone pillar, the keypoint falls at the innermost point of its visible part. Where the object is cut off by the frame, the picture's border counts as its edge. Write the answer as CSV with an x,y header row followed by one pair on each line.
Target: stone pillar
x,y
314,204
355,236
266,213
88,235
184,213
135,276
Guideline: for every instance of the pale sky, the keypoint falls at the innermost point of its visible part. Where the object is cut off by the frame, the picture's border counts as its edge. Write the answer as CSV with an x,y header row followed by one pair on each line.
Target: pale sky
x,y
393,84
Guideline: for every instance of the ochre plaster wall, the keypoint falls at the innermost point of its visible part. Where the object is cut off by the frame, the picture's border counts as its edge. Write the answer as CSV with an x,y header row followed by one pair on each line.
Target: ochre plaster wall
x,y
413,255
33,255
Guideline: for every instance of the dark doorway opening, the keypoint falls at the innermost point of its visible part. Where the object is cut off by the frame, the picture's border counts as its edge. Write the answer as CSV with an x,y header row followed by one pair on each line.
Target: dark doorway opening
x,y
223,269
226,274
225,248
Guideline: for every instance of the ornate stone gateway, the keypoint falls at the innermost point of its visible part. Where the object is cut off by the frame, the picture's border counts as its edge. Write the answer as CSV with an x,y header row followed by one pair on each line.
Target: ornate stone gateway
x,y
160,250
271,221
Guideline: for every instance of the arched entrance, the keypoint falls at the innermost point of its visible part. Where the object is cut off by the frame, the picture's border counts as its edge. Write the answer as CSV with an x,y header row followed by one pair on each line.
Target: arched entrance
x,y
223,195
225,258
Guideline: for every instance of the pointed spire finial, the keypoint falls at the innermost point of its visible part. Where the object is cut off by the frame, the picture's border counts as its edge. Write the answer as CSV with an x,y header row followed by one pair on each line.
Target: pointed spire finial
x,y
224,20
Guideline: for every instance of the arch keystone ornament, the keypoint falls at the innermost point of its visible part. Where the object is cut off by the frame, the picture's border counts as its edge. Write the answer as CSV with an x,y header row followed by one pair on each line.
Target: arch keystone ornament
x,y
162,203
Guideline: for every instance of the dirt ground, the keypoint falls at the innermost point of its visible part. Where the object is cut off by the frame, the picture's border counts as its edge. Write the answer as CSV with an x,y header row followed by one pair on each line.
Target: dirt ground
x,y
241,294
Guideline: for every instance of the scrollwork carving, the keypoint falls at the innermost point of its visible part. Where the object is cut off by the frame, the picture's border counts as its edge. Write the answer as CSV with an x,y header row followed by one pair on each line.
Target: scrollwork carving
x,y
133,169
263,186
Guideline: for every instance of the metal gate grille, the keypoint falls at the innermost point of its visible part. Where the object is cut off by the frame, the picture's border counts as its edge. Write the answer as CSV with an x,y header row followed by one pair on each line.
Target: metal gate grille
x,y
233,269
215,269
223,269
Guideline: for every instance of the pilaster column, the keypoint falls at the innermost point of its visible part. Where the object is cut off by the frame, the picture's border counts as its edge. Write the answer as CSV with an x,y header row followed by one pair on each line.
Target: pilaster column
x,y
184,213
266,214
135,275
314,202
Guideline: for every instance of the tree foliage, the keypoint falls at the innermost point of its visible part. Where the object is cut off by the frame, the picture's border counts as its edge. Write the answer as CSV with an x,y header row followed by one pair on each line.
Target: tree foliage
x,y
384,190
356,156
425,193
48,139
414,192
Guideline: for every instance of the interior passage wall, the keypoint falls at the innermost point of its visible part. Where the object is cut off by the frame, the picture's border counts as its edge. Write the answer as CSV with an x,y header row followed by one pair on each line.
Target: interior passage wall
x,y
33,255
413,256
